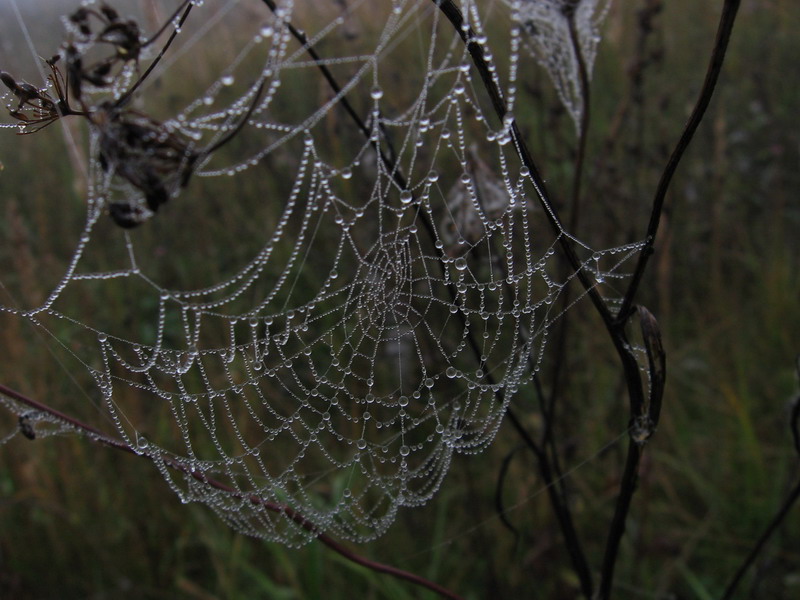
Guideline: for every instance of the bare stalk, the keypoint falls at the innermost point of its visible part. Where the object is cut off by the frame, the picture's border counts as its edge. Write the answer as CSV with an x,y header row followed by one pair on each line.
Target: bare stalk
x,y
775,522
129,94
724,30
112,442
771,528
630,475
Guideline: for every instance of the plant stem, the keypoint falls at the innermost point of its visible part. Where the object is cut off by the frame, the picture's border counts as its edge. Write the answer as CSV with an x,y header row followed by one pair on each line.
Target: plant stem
x,y
754,552
562,334
628,484
617,529
724,30
453,14
126,97
98,436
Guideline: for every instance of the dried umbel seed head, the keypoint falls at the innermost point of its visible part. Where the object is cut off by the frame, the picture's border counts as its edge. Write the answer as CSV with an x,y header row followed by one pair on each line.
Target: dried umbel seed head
x,y
143,153
152,160
36,108
8,80
123,34
101,28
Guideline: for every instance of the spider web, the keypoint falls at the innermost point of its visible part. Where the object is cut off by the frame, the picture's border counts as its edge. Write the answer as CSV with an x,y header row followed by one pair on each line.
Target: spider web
x,y
321,318
548,38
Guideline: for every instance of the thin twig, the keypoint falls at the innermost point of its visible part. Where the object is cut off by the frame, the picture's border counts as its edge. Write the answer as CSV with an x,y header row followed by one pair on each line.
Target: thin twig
x,y
117,444
453,14
794,424
562,334
583,133
498,494
302,38
759,546
129,94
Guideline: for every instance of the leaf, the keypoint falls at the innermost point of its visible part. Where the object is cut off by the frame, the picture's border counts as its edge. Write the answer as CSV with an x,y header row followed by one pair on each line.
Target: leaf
x,y
657,360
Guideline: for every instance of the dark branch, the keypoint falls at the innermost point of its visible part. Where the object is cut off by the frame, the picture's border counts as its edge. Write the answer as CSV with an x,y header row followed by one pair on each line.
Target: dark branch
x,y
727,20
100,437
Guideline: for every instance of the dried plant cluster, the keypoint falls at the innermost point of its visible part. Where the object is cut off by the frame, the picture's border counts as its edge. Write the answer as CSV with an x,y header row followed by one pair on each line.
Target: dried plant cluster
x,y
102,56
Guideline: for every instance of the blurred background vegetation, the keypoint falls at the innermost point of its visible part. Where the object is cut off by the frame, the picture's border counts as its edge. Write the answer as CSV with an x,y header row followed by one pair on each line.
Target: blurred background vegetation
x,y
81,521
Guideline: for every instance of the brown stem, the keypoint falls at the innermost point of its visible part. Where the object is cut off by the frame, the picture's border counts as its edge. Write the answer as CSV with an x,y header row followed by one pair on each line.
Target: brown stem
x,y
617,529
117,444
759,546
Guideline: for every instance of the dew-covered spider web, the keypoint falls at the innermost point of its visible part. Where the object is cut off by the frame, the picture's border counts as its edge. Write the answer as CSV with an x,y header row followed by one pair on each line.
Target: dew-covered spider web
x,y
325,309
553,31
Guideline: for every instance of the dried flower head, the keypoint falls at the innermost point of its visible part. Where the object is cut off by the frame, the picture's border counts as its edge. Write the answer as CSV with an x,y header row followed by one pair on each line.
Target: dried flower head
x,y
102,53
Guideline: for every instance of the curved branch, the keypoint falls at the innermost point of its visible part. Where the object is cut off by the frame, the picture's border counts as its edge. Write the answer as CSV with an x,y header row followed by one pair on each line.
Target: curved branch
x,y
724,30
794,422
756,550
100,437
